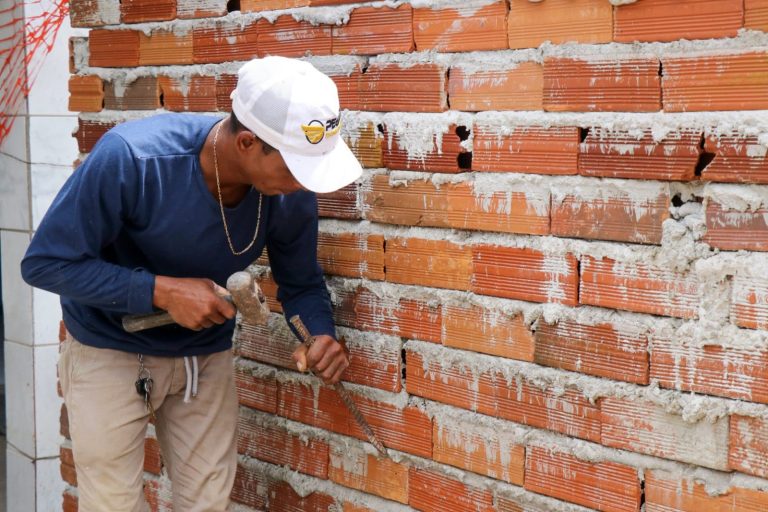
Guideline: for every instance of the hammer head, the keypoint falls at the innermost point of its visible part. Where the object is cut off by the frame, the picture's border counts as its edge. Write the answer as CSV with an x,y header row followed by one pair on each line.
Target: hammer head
x,y
248,298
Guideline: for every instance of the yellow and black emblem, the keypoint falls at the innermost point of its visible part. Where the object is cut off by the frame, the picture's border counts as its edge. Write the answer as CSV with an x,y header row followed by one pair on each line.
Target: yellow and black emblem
x,y
315,130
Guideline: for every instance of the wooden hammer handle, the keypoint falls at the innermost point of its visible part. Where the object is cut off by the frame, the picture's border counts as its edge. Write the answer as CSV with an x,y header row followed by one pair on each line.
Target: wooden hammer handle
x,y
135,323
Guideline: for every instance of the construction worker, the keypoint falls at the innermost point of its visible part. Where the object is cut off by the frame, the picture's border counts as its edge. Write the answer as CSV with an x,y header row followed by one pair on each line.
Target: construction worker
x,y
160,213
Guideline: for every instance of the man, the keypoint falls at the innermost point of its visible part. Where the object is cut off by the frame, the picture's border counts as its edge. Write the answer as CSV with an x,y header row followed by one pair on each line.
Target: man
x,y
161,212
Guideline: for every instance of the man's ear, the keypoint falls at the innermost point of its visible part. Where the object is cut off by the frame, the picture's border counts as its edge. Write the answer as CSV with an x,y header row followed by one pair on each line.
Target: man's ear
x,y
245,140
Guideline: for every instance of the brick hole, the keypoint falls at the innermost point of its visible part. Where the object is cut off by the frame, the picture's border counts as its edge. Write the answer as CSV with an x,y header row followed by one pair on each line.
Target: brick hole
x,y
677,201
642,494
704,159
583,134
402,366
233,5
464,159
162,99
380,128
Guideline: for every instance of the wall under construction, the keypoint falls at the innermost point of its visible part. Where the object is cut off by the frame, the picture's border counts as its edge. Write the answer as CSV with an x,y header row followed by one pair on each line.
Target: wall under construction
x,y
552,276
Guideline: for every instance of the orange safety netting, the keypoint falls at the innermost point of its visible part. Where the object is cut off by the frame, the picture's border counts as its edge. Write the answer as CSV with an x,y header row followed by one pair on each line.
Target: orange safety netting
x,y
28,30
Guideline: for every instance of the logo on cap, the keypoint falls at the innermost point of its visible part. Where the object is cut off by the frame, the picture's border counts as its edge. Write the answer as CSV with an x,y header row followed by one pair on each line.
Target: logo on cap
x,y
316,130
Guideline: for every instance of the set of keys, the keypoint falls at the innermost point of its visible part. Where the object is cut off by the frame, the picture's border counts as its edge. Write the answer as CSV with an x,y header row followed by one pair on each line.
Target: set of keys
x,y
143,385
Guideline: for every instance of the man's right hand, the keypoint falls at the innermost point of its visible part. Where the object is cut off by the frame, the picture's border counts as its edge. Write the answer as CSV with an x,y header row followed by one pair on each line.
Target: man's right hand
x,y
194,303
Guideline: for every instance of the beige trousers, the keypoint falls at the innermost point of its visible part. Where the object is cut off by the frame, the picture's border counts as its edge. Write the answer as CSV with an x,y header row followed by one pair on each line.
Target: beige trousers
x,y
108,422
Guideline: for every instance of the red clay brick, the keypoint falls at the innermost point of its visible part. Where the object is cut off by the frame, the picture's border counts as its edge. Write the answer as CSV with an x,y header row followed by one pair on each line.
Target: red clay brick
x,y
748,451
479,329
224,43
375,30
734,230
277,445
250,487
406,429
157,492
366,143
637,287
483,451
342,204
271,5
374,366
435,263
749,302
291,38
69,502
153,461
186,9
225,84
666,493
521,87
164,47
669,20
351,254
138,11
737,159
603,350
604,486
631,85
535,150
113,48
647,428
390,87
613,154
348,86
282,498
355,467
444,157
433,492
722,82
89,14
469,28
525,274
86,93
711,369
756,15
458,206
190,94
67,467
559,21
400,316
141,94
492,394
257,390
620,218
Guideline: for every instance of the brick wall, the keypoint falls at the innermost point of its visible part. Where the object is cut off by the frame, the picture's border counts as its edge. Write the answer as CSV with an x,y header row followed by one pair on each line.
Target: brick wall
x,y
552,276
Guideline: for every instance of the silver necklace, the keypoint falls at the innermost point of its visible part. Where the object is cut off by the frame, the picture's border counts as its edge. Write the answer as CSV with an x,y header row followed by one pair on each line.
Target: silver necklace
x,y
221,202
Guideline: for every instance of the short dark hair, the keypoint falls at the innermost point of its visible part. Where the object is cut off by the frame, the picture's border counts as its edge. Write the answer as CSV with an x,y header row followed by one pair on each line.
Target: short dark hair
x,y
236,126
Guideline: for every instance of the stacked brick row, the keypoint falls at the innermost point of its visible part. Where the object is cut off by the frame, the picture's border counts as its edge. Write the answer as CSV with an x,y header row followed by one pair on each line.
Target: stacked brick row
x,y
552,276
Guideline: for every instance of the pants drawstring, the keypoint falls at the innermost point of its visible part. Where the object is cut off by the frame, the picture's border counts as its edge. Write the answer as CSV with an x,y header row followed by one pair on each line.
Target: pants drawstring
x,y
191,372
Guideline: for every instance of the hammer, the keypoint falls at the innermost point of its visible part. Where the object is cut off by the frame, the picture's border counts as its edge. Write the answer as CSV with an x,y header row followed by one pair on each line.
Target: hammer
x,y
243,292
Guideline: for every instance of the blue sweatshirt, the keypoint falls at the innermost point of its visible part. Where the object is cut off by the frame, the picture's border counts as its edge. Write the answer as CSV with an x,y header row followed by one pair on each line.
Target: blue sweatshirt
x,y
139,207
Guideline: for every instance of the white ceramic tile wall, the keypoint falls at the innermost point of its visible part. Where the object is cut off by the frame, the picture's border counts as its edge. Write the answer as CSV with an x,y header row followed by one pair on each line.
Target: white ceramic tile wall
x,y
51,140
46,182
17,295
14,198
19,397
16,143
47,402
50,485
21,482
46,310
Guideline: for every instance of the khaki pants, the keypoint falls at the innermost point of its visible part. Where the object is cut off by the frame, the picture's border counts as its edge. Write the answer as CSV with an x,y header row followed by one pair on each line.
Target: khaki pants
x,y
108,421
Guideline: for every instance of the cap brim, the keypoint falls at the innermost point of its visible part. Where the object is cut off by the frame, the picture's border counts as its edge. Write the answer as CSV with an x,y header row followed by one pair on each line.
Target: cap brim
x,y
325,173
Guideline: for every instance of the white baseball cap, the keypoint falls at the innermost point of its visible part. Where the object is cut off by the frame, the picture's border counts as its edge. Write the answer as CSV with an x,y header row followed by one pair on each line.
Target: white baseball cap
x,y
294,108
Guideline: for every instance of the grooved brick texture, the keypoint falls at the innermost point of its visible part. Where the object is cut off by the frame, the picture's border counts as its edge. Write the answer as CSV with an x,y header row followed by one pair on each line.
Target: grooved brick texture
x,y
551,276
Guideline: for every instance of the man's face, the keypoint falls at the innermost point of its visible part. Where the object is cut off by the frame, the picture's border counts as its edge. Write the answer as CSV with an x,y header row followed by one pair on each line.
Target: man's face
x,y
268,173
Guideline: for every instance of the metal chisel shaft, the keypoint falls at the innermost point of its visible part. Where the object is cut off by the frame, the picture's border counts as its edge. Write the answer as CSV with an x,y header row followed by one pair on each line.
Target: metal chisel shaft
x,y
306,338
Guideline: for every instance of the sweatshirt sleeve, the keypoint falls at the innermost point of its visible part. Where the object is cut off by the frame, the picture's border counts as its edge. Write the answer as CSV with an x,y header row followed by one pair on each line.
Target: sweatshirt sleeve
x,y
66,255
292,250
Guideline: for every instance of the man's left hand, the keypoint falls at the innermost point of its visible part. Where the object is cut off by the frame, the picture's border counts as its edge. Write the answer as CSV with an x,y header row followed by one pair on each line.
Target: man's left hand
x,y
326,358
